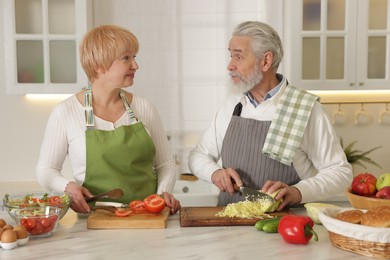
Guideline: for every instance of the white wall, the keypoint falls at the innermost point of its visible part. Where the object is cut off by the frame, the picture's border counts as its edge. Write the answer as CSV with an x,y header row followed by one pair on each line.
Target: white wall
x,y
183,59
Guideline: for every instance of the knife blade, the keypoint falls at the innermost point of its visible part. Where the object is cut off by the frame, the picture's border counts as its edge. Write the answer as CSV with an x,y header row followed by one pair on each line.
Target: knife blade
x,y
253,195
112,204
112,194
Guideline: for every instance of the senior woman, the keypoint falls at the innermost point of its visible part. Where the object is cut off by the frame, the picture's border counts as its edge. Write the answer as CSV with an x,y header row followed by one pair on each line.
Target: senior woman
x,y
113,138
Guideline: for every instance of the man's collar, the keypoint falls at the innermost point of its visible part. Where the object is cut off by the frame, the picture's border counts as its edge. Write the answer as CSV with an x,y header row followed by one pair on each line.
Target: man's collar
x,y
270,93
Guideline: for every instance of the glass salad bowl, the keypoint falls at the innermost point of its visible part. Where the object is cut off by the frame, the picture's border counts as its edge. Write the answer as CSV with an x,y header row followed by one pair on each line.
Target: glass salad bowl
x,y
25,201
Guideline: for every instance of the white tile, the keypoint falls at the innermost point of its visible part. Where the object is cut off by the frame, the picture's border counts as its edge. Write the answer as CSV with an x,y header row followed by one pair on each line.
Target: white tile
x,y
197,6
234,6
199,31
158,66
199,102
199,67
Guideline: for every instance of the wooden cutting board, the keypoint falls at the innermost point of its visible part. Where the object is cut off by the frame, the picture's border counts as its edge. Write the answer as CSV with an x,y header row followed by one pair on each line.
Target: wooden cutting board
x,y
205,216
103,219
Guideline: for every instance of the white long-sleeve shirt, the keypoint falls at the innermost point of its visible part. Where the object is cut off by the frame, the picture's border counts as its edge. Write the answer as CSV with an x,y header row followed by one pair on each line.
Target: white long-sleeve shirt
x,y
320,160
65,136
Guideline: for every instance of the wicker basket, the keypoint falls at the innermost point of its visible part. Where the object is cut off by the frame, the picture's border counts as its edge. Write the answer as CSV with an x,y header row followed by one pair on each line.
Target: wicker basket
x,y
356,238
374,249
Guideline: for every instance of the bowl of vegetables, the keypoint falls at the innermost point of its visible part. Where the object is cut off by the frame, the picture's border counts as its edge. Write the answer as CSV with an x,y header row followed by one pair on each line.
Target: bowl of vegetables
x,y
36,199
39,221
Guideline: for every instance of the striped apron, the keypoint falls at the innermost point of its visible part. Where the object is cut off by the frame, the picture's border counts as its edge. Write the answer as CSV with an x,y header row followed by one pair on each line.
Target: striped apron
x,y
241,150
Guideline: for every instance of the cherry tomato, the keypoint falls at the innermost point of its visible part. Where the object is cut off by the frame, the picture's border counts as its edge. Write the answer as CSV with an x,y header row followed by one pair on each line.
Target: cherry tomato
x,y
31,223
38,229
45,222
47,230
154,203
23,222
53,218
122,213
138,206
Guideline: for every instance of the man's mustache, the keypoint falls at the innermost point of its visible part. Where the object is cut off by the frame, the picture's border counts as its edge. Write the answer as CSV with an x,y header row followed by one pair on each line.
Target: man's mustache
x,y
234,74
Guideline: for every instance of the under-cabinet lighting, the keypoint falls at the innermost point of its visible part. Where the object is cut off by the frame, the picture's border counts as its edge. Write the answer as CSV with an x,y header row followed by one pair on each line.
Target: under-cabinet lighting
x,y
354,96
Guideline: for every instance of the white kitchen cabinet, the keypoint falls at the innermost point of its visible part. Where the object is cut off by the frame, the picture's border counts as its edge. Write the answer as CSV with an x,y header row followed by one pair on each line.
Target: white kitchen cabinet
x,y
41,40
338,44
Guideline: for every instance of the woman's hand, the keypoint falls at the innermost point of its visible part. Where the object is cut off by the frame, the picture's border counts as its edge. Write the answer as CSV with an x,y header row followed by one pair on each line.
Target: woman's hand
x,y
77,195
171,202
290,195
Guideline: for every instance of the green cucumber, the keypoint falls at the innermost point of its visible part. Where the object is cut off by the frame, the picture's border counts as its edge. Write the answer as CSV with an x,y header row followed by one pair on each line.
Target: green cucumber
x,y
271,227
263,222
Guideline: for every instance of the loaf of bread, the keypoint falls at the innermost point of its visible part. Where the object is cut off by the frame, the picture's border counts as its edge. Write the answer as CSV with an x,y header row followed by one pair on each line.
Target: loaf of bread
x,y
352,216
378,217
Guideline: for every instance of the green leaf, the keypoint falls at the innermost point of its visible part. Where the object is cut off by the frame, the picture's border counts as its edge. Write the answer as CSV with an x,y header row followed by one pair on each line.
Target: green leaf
x,y
355,156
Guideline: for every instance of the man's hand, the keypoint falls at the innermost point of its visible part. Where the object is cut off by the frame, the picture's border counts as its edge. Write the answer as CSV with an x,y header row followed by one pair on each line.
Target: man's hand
x,y
290,195
224,179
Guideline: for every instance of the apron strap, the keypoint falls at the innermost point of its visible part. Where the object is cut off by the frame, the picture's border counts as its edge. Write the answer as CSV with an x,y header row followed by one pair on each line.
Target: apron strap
x,y
237,109
133,118
89,119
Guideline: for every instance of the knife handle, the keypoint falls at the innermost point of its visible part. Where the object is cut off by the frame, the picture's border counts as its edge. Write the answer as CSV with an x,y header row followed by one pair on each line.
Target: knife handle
x,y
235,187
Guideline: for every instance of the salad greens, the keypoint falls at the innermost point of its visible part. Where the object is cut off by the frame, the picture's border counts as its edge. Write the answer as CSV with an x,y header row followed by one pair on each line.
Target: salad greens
x,y
29,200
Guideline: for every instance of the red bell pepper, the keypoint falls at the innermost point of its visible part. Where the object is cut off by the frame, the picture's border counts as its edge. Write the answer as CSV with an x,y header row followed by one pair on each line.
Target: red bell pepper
x,y
297,229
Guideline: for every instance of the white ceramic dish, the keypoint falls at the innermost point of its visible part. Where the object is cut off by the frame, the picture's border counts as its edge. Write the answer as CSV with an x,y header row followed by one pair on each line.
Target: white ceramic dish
x,y
22,241
9,246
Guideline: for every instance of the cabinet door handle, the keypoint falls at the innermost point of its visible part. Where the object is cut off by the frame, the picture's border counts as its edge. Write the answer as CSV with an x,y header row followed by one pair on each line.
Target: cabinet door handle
x,y
361,83
351,84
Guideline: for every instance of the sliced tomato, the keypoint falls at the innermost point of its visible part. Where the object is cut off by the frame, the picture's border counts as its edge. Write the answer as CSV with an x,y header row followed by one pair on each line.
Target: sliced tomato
x,y
154,203
138,206
54,200
122,212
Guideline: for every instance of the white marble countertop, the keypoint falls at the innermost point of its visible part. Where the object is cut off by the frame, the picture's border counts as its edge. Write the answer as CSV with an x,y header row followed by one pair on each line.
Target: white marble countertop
x,y
72,240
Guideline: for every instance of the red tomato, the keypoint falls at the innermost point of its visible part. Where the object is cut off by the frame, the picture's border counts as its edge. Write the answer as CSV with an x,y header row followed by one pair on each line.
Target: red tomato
x,y
53,219
122,213
45,222
47,230
138,206
23,222
31,223
154,203
54,200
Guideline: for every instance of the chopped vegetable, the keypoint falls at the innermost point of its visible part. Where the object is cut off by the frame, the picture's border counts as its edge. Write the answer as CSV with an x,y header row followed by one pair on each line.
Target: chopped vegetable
x,y
154,203
138,207
122,213
29,200
246,209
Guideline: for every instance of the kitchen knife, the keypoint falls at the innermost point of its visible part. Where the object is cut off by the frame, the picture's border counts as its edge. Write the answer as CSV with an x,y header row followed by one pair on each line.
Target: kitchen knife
x,y
253,195
112,194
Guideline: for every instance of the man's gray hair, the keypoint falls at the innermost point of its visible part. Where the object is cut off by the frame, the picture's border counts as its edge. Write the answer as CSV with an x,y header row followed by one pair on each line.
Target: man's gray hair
x,y
264,39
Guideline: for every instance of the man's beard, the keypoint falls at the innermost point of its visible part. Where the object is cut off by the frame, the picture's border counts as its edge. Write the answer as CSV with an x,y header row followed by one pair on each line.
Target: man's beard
x,y
247,84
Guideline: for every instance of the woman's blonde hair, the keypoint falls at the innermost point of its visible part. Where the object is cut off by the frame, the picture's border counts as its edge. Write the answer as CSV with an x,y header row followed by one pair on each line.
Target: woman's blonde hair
x,y
102,45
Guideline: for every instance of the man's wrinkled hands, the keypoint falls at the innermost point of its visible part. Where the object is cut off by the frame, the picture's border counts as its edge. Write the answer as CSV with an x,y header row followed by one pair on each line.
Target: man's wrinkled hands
x,y
289,194
225,179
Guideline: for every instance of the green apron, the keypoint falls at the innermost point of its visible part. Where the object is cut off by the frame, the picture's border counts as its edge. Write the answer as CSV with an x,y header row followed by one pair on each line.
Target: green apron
x,y
120,158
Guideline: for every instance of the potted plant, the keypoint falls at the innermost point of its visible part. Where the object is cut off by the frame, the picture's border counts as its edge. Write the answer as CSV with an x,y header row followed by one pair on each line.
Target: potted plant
x,y
358,157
